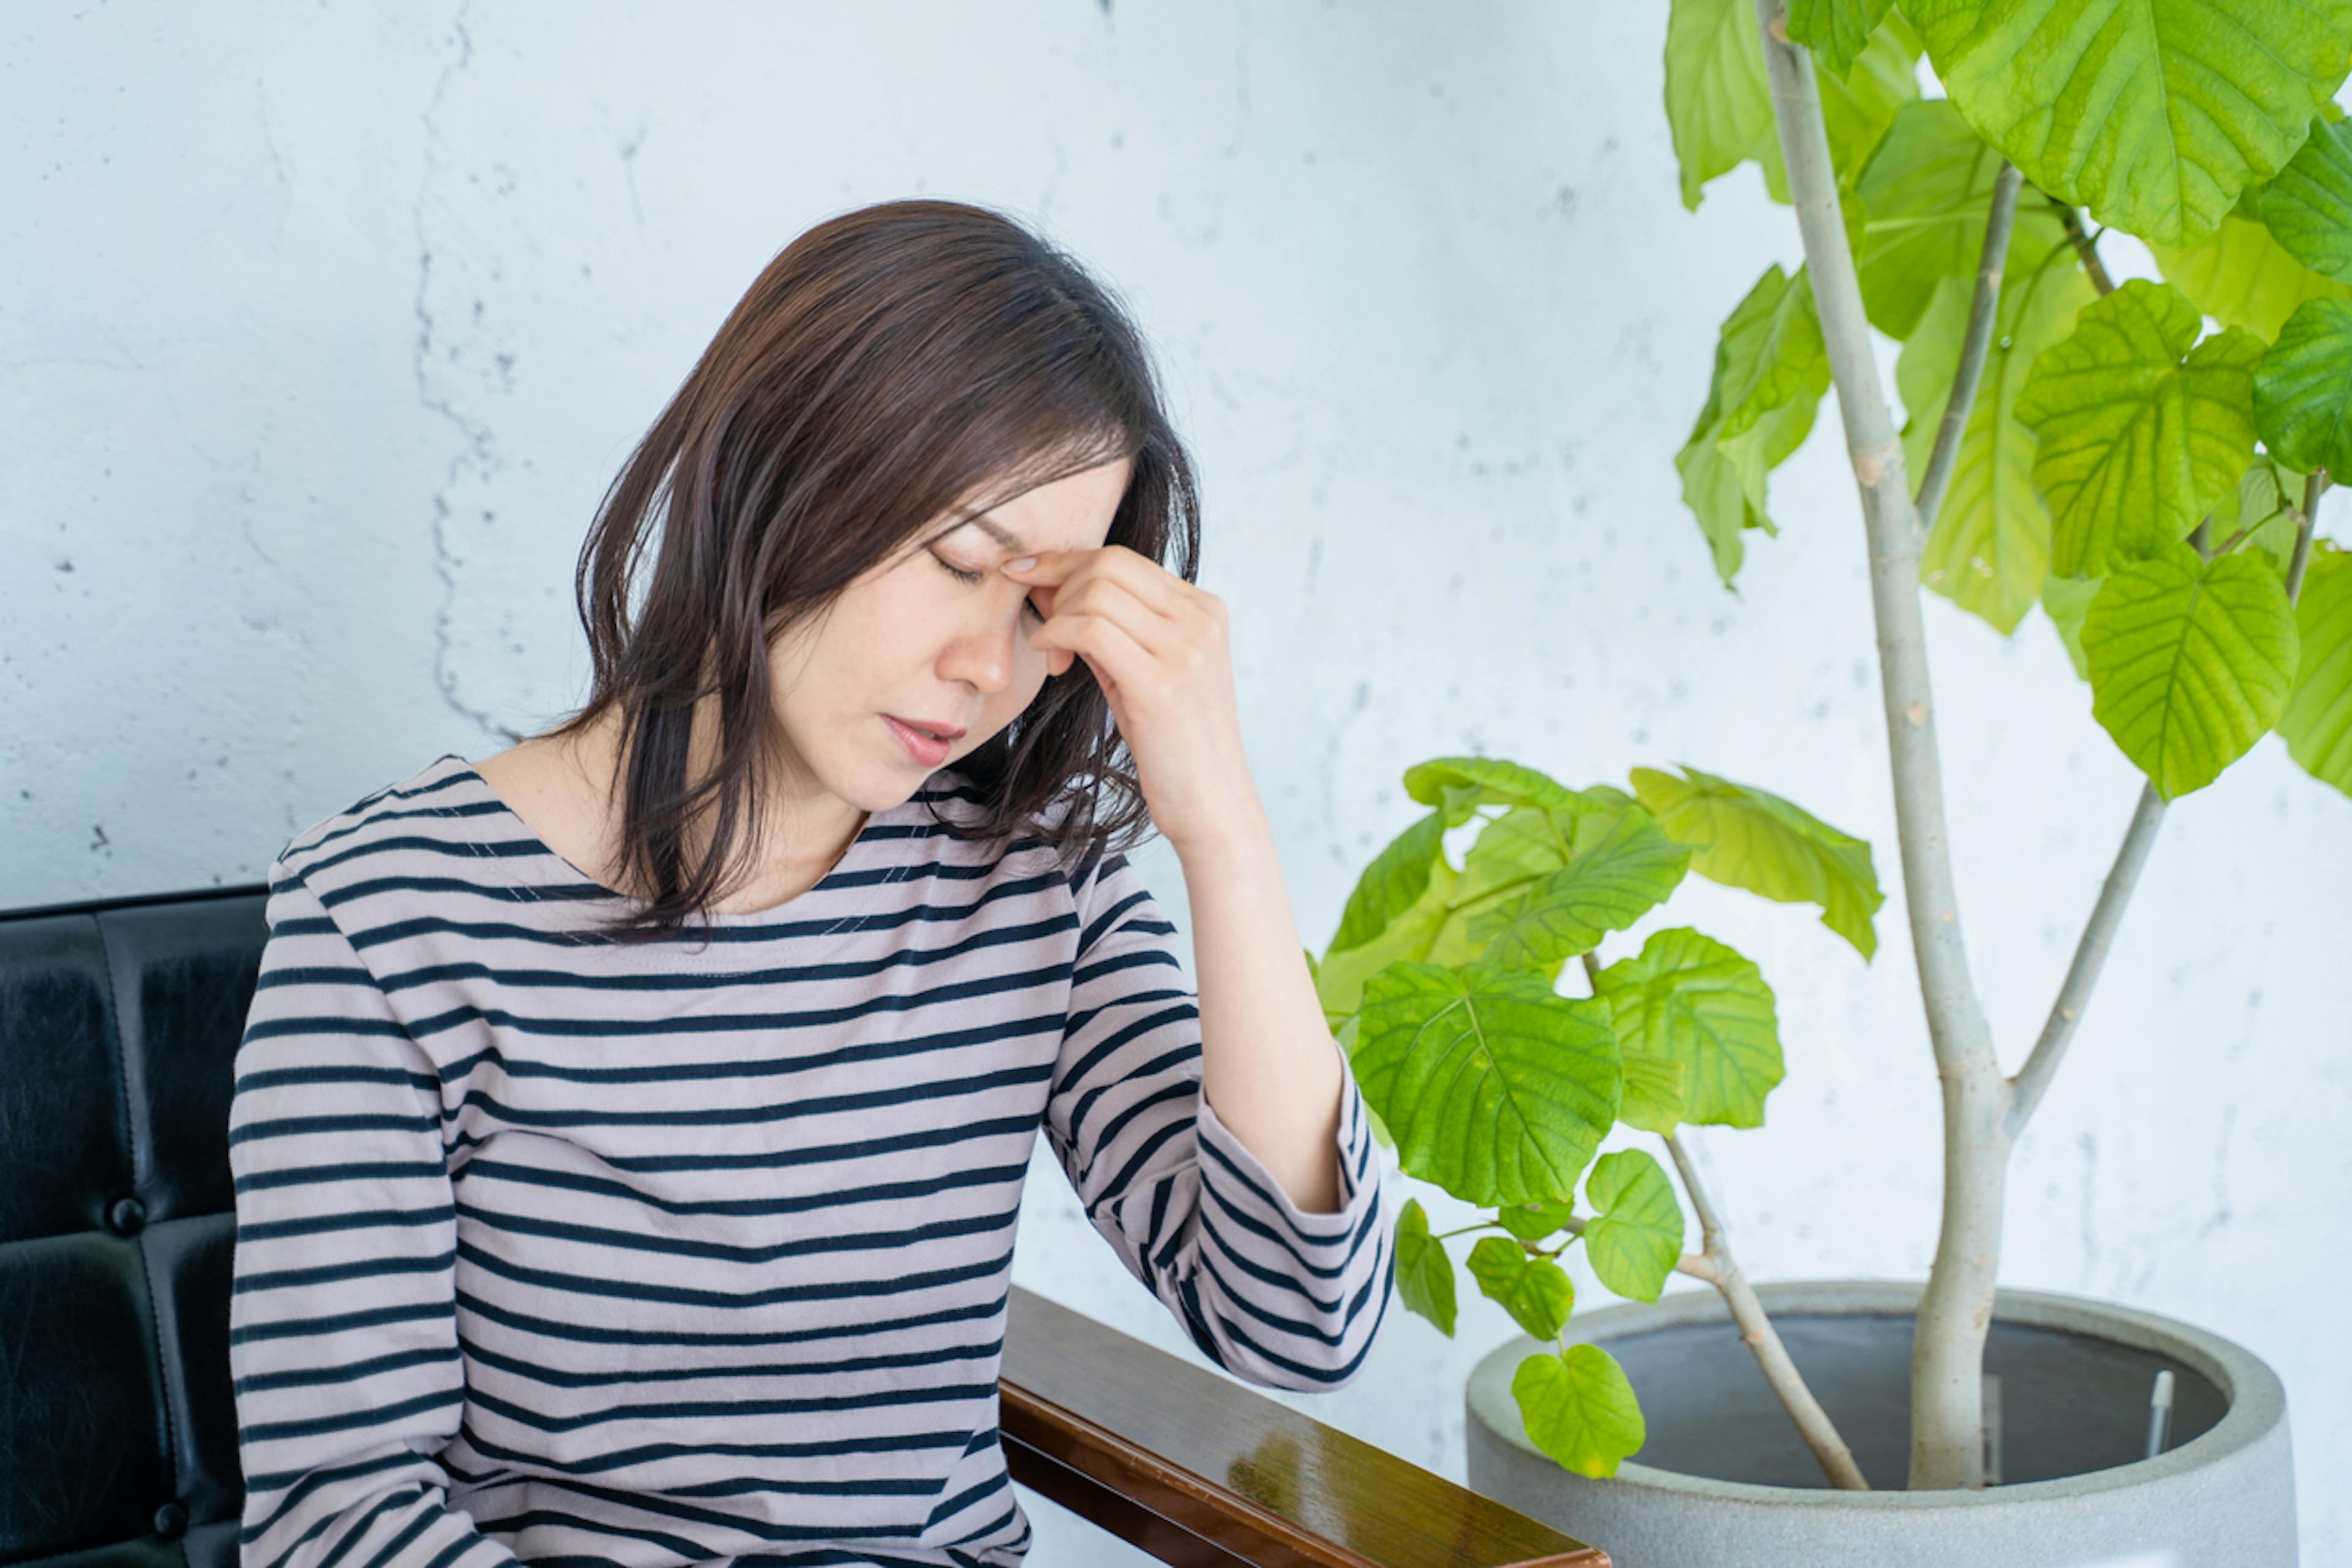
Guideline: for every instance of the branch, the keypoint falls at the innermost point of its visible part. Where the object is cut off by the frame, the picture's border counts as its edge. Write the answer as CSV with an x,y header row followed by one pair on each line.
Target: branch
x,y
1983,307
2098,934
2084,246
2313,484
1756,1332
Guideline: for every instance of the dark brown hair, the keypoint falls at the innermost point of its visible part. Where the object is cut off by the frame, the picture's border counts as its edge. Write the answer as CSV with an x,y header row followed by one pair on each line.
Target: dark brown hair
x,y
887,364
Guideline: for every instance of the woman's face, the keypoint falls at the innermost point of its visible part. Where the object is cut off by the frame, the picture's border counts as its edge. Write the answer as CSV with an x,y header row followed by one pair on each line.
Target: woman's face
x,y
912,640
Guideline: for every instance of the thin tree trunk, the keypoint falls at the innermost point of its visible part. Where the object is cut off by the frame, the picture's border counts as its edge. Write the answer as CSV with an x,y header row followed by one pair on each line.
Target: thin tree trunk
x,y
1955,1312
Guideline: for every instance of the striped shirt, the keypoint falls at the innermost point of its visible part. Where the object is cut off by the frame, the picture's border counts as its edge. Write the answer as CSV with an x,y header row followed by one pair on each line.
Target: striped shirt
x,y
556,1250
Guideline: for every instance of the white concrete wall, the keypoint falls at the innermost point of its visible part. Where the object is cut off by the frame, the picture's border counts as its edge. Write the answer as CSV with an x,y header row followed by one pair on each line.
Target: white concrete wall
x,y
322,329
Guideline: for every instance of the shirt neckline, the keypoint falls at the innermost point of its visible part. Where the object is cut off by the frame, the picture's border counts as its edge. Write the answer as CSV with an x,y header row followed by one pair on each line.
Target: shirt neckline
x,y
862,850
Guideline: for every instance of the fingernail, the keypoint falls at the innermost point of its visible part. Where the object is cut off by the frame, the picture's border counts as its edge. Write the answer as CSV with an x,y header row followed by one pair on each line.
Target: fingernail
x,y
1021,564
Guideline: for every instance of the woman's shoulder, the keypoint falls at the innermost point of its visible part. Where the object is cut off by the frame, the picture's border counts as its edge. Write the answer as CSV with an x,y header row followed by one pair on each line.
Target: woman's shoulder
x,y
440,817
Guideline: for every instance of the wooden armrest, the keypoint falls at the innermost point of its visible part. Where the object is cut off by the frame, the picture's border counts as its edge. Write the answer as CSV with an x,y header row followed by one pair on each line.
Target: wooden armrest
x,y
1195,1468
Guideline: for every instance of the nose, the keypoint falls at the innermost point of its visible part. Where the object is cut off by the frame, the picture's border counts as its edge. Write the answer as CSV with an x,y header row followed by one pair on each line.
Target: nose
x,y
983,651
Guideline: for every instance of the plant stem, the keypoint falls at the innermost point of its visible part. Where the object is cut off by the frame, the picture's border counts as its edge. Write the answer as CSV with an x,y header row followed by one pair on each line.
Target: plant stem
x,y
1983,307
2090,953
1756,1332
2313,484
2084,246
1956,1312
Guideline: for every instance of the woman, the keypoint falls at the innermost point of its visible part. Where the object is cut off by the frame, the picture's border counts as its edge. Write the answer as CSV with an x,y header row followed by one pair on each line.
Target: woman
x,y
630,1129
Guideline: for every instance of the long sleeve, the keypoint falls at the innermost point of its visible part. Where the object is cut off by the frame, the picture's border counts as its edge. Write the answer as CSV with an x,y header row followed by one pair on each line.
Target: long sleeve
x,y
1274,1294
343,1317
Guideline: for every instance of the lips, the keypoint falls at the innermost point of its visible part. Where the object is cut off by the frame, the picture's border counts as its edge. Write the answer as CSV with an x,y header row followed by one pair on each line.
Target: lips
x,y
930,750
937,732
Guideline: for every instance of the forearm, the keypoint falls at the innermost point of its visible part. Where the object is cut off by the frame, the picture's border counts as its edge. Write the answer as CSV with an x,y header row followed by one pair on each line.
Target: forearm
x,y
1269,1064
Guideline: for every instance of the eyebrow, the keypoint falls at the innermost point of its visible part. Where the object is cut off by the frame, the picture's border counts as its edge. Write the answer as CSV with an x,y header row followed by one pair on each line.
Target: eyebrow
x,y
995,531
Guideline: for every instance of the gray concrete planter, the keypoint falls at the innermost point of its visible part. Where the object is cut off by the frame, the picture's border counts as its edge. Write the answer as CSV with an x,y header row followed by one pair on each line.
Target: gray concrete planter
x,y
1726,1480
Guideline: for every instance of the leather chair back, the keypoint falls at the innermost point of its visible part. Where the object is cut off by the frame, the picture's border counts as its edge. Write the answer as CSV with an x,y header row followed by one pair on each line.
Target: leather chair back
x,y
119,1027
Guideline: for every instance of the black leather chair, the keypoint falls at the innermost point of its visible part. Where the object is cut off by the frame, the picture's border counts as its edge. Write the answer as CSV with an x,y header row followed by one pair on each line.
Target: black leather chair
x,y
118,1023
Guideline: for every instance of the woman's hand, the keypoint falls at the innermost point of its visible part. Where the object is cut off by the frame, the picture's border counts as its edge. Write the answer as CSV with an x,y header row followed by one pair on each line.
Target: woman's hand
x,y
1157,647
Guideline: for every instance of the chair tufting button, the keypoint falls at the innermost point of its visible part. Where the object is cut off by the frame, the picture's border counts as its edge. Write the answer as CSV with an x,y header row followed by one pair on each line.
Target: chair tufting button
x,y
171,1520
127,1217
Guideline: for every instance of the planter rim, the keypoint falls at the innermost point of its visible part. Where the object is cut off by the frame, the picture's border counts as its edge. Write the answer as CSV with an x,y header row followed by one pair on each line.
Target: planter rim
x,y
2256,1399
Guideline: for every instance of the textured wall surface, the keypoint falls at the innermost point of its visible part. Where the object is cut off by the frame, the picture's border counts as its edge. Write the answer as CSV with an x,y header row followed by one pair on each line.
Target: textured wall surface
x,y
322,331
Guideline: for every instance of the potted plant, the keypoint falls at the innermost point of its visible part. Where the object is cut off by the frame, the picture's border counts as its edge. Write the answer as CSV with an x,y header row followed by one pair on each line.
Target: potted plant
x,y
2081,447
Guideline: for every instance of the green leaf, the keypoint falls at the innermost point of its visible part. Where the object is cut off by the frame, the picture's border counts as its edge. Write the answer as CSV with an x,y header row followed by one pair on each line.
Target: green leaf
x,y
1927,190
1514,852
2268,500
1635,1234
1988,547
1393,883
2066,600
1653,1097
1535,1291
1718,109
1412,933
2309,206
1510,858
1495,1087
1723,482
1835,30
1748,837
2317,723
1486,781
1770,370
2240,277
1693,1000
2264,506
1857,106
2302,392
1775,350
2139,432
2190,661
1579,1407
2153,114
1424,1276
1533,1222
1629,872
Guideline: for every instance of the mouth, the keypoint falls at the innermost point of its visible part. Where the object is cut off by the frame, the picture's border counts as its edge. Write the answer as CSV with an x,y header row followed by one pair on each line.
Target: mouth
x,y
926,744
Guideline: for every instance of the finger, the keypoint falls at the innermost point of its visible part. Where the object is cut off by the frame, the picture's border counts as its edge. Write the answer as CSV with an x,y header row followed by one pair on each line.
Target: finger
x,y
1150,583
1117,659
1101,595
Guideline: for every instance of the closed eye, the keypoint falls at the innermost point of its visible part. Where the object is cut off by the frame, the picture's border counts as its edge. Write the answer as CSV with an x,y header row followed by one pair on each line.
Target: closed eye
x,y
961,576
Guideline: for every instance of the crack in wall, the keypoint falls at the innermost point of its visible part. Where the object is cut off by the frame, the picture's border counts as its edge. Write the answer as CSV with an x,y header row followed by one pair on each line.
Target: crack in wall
x,y
479,448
